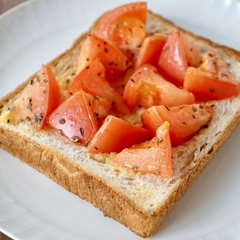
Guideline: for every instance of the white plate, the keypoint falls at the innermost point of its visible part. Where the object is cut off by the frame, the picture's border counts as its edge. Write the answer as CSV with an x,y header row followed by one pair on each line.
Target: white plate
x,y
34,207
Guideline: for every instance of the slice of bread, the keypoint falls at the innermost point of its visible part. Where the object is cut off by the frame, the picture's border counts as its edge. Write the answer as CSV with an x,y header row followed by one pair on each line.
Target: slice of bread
x,y
138,201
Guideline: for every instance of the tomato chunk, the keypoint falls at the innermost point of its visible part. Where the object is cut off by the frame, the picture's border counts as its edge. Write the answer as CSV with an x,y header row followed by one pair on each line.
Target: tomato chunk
x,y
38,99
92,80
146,88
75,118
178,53
112,58
150,50
116,134
153,156
124,26
212,80
185,121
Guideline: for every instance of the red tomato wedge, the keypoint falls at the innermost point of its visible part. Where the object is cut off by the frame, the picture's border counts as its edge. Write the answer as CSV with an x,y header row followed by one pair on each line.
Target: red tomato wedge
x,y
39,98
116,134
153,156
146,88
185,121
150,50
75,118
124,26
212,80
178,53
111,57
92,80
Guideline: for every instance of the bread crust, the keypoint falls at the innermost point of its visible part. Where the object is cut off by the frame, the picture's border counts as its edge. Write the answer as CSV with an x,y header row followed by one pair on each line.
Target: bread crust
x,y
88,185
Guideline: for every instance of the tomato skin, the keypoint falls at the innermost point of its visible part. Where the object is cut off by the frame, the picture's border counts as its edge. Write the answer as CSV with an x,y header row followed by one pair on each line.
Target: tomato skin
x,y
39,98
178,53
147,88
124,26
185,121
212,80
150,50
92,80
153,156
116,134
75,118
111,57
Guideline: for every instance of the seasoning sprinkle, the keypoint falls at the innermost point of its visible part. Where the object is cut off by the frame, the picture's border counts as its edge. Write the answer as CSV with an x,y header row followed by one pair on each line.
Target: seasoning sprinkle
x,y
82,131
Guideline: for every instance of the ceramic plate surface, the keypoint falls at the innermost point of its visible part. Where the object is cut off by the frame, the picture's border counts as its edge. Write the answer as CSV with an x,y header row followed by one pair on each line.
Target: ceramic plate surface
x,y
34,207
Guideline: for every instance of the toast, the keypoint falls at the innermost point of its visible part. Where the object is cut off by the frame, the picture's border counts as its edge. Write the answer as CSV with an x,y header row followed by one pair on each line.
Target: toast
x,y
138,201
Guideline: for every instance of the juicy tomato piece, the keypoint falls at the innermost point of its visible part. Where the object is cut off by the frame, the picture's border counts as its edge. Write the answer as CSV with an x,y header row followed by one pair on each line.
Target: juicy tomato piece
x,y
75,118
212,80
38,99
116,134
178,53
185,121
146,88
124,26
112,58
150,50
153,156
92,80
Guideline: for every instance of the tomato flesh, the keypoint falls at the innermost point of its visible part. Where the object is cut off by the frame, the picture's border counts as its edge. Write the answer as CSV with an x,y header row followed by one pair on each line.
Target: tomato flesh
x,y
150,50
178,53
38,99
75,118
153,156
146,88
212,80
124,26
185,121
116,134
92,80
111,57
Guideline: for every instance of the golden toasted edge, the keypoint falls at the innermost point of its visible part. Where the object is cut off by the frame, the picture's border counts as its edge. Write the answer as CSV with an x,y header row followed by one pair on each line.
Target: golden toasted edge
x,y
88,186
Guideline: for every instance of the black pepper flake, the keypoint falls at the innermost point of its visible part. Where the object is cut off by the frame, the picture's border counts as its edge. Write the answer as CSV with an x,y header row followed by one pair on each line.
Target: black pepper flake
x,y
37,117
8,121
193,116
211,90
29,106
113,103
76,139
28,118
89,103
132,80
44,91
201,106
166,48
82,131
126,62
87,67
135,167
99,74
130,30
96,148
159,141
184,123
45,80
96,114
167,108
31,82
62,121
106,50
194,109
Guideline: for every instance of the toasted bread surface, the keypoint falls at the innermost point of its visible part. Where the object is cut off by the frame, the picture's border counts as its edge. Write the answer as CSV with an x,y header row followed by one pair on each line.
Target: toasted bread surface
x,y
140,202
